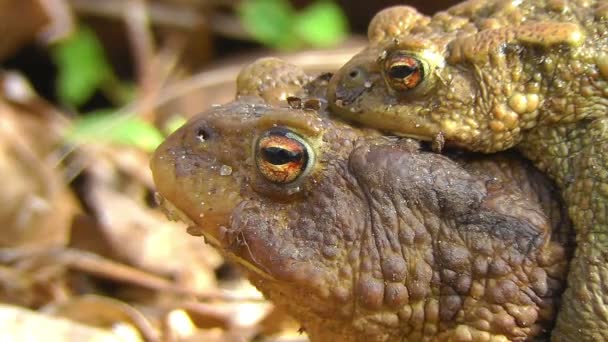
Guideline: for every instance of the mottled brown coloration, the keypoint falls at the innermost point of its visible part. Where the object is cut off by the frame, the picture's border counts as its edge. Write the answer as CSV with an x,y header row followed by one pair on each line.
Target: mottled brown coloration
x,y
500,74
377,240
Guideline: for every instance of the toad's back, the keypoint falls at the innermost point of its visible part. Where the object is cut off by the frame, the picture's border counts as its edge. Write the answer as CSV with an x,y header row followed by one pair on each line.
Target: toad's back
x,y
492,75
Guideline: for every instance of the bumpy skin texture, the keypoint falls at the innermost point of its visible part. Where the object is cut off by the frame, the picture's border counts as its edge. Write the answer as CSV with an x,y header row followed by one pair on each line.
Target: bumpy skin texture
x,y
272,79
378,240
499,74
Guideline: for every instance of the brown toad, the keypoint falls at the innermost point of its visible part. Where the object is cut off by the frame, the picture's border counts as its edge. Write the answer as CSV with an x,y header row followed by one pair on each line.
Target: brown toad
x,y
368,238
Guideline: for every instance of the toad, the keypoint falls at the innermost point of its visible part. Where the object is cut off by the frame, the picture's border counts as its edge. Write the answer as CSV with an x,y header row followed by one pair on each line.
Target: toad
x,y
492,75
369,238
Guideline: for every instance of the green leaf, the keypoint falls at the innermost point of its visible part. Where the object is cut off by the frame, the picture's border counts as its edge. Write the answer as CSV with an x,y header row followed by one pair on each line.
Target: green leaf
x,y
107,126
269,21
321,24
82,67
175,122
275,23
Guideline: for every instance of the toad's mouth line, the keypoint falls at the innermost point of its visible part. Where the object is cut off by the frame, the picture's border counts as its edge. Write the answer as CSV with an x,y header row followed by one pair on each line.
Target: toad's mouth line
x,y
345,98
413,136
241,261
176,214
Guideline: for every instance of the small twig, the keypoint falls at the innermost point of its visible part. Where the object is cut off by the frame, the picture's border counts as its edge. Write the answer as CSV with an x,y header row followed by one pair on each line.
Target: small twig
x,y
163,14
160,13
61,20
102,267
228,26
143,51
15,138
95,264
162,67
140,37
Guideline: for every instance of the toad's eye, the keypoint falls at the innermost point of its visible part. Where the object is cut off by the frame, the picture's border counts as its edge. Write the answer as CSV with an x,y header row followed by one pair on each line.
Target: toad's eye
x,y
282,156
403,71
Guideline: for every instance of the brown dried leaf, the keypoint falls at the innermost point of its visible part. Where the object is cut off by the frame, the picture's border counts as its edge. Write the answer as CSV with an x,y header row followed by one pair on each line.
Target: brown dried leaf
x,y
230,315
37,207
278,322
20,21
136,234
104,312
17,324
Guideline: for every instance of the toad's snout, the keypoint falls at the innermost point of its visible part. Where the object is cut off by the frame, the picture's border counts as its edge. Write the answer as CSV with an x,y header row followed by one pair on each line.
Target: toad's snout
x,y
190,173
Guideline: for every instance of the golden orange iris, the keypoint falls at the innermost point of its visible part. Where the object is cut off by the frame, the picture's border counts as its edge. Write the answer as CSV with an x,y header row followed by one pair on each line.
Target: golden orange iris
x,y
281,156
403,71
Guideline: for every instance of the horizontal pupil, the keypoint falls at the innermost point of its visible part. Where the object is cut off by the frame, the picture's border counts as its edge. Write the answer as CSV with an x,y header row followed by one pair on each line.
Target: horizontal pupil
x,y
280,156
401,71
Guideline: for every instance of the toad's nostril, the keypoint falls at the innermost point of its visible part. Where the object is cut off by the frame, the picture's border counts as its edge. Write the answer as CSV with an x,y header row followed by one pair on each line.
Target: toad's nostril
x,y
353,74
203,133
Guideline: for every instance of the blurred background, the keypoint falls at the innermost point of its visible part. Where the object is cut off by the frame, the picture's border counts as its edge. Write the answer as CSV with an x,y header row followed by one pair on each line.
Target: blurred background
x,y
88,89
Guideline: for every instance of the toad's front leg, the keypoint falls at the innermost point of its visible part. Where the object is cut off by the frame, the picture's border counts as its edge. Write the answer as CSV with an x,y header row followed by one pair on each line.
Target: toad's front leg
x,y
576,156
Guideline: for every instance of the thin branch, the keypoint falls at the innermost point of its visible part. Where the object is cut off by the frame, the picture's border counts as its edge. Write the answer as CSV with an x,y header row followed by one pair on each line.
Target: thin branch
x,y
97,265
160,13
140,37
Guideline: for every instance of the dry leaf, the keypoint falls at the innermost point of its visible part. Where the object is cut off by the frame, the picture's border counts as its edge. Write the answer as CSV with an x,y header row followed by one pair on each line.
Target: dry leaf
x,y
18,324
104,312
37,206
